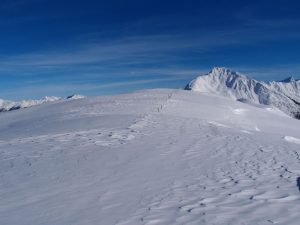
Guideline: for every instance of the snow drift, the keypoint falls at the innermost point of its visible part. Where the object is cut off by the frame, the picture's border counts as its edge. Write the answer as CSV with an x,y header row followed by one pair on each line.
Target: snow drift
x,y
151,157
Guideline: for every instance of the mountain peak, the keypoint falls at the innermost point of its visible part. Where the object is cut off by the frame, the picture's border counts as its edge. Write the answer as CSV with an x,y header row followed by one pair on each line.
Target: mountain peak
x,y
289,80
220,70
226,73
228,83
11,105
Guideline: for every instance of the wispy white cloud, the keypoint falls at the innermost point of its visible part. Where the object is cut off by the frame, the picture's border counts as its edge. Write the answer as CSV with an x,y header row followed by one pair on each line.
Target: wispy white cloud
x,y
68,88
142,58
276,72
125,51
145,49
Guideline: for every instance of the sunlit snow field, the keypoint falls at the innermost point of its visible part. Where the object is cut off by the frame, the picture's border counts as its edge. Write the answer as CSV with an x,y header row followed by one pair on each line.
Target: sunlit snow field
x,y
151,157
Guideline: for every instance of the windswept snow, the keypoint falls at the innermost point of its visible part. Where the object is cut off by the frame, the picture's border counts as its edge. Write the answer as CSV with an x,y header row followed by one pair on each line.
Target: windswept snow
x,y
284,95
151,157
292,139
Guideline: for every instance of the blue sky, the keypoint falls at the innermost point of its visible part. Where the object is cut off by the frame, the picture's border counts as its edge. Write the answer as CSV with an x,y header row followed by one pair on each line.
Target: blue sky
x,y
95,47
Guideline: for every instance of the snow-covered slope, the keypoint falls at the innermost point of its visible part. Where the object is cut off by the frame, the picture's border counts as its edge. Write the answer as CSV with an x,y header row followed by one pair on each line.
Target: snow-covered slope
x,y
284,95
151,157
11,105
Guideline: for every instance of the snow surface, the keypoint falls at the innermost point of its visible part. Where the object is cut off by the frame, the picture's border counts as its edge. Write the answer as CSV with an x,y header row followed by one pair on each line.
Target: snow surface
x,y
284,95
150,157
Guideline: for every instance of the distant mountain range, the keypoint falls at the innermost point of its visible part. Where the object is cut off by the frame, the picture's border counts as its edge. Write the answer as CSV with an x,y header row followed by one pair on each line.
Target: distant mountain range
x,y
14,105
284,95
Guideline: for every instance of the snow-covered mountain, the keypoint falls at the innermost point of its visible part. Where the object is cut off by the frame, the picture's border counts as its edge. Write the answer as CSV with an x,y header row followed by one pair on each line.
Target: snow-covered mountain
x,y
284,95
6,105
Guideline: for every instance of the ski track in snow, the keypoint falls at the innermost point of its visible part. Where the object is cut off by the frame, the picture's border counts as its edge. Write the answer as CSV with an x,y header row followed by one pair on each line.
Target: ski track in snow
x,y
176,162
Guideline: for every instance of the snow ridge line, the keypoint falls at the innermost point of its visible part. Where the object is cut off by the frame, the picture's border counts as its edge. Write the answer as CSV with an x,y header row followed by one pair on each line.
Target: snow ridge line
x,y
148,118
